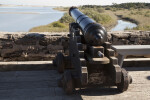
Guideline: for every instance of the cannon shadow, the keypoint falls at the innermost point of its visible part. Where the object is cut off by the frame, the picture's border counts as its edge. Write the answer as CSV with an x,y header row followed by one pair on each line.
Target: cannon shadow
x,y
101,91
137,68
148,77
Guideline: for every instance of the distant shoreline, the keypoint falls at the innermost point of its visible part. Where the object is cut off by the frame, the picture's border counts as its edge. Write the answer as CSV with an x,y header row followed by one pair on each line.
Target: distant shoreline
x,y
3,5
18,13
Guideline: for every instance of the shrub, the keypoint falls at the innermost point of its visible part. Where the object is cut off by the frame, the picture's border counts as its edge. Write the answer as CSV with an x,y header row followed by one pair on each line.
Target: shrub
x,y
132,13
58,24
145,27
107,8
66,18
139,13
147,14
98,17
100,10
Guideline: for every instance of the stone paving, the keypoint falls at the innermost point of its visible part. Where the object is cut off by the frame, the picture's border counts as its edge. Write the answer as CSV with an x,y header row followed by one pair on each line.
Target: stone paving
x,y
42,85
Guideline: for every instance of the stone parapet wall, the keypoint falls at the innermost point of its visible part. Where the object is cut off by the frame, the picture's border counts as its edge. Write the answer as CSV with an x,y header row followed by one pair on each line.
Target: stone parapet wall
x,y
21,46
130,38
26,46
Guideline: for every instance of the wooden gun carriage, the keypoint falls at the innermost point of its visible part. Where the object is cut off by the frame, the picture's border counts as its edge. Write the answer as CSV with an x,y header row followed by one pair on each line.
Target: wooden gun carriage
x,y
91,61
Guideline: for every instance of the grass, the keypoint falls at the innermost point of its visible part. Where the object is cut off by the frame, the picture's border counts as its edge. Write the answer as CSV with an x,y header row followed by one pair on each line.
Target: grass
x,y
53,27
106,18
64,9
139,16
138,13
100,15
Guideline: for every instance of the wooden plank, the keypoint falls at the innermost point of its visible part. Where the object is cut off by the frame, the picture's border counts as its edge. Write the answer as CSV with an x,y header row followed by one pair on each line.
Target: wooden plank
x,y
103,60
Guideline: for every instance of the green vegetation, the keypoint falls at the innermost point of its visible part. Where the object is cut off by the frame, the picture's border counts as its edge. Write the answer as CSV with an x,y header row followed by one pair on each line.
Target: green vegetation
x,y
131,6
64,9
99,14
138,13
139,16
66,19
53,27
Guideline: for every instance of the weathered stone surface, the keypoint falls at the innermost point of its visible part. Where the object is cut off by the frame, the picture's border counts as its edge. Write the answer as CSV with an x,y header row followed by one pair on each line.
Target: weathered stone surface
x,y
26,46
22,46
42,85
130,38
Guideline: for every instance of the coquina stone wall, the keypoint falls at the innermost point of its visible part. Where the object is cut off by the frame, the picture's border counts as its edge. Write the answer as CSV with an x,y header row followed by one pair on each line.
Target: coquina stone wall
x,y
24,46
130,38
21,46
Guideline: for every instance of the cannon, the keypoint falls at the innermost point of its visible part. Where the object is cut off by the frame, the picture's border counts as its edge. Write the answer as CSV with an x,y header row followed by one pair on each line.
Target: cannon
x,y
90,61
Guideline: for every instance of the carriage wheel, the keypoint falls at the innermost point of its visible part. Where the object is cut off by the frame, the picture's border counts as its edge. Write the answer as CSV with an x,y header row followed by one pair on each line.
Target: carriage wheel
x,y
68,83
124,84
60,62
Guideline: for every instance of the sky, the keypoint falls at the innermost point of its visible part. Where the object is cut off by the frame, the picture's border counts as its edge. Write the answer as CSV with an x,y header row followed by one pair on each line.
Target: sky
x,y
67,2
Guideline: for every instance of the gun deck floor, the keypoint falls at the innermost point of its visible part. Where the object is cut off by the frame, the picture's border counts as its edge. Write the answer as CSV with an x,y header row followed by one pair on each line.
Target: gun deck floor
x,y
42,85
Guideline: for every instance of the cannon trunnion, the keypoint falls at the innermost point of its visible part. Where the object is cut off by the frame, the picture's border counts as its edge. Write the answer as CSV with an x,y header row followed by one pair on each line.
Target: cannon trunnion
x,y
91,61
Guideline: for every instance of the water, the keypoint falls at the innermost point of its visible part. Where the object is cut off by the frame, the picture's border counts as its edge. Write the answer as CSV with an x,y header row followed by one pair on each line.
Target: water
x,y
22,19
122,25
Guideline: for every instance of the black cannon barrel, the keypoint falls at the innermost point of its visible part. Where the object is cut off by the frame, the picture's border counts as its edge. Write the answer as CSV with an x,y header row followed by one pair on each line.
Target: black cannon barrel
x,y
94,33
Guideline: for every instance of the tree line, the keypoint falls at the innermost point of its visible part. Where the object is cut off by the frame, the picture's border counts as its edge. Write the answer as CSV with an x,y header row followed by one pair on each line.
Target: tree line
x,y
122,5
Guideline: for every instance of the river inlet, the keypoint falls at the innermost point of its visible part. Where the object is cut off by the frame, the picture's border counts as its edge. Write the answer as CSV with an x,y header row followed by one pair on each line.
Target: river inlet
x,y
22,19
122,25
